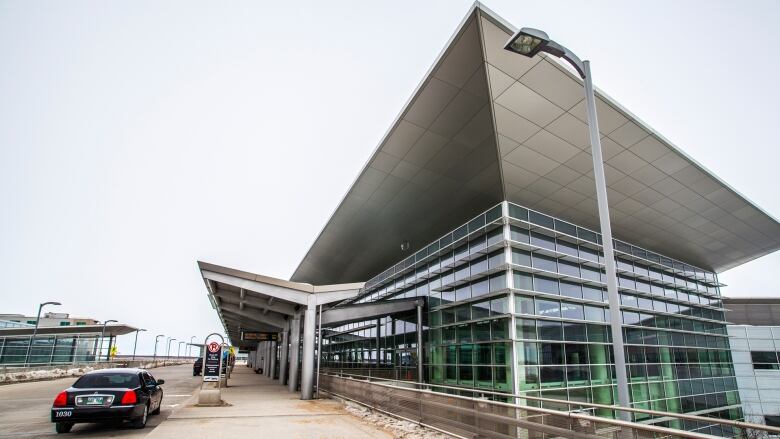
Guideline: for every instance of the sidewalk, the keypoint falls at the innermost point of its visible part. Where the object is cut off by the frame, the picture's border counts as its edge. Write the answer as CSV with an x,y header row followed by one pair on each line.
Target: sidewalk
x,y
261,407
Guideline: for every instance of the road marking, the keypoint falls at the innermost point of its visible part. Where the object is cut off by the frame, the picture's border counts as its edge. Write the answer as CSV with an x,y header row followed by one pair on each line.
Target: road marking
x,y
177,395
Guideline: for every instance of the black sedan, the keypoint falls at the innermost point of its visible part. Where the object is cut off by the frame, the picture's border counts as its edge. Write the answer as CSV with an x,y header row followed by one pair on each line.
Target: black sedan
x,y
197,367
108,395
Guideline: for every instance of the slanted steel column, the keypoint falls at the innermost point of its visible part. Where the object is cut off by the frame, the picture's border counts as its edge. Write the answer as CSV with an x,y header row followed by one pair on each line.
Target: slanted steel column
x,y
284,340
420,367
307,362
295,343
273,359
615,318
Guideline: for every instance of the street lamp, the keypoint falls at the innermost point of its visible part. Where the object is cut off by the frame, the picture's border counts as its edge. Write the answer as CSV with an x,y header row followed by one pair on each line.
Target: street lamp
x,y
529,42
136,340
168,351
102,335
156,339
178,349
189,347
35,331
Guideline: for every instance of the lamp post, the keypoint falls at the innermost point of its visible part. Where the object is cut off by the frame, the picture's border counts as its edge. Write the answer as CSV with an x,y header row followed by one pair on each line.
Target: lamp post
x,y
35,331
529,42
189,347
156,339
168,351
136,340
102,335
178,350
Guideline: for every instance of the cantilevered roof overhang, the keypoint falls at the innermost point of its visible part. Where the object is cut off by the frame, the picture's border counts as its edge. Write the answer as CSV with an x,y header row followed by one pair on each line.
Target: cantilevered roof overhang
x,y
487,125
252,302
111,330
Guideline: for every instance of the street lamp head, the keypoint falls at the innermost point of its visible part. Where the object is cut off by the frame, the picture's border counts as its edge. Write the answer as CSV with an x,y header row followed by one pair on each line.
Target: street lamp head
x,y
527,41
141,330
109,321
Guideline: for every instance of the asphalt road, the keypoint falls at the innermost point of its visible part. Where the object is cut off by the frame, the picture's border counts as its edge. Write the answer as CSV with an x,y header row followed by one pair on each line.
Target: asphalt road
x,y
24,407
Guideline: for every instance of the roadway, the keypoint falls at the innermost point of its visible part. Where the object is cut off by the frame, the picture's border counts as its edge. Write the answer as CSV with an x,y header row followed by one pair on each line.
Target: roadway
x,y
24,407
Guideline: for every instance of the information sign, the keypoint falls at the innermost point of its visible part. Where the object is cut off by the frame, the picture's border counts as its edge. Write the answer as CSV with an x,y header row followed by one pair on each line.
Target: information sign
x,y
213,360
259,336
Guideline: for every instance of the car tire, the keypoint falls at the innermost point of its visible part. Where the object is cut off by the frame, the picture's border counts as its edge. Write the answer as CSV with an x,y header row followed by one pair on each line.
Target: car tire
x,y
63,427
157,410
140,422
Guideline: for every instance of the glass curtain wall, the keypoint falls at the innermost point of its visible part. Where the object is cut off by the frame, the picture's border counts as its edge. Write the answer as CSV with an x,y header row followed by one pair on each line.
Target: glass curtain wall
x,y
48,349
517,303
386,345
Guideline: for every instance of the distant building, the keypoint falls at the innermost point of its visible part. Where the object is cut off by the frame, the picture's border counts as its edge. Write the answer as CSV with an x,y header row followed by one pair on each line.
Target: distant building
x,y
60,339
48,319
755,343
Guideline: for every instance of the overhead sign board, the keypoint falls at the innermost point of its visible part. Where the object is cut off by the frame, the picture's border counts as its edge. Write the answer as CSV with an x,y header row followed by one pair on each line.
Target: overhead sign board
x,y
212,362
259,336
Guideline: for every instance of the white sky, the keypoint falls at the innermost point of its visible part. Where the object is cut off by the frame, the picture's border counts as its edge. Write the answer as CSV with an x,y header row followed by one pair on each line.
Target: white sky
x,y
138,137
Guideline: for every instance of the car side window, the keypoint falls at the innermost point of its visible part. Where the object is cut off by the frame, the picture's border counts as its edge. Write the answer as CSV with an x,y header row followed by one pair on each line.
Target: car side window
x,y
148,380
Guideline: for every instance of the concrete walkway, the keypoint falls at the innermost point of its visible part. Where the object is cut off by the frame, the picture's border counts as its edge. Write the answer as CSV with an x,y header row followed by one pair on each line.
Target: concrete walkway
x,y
263,408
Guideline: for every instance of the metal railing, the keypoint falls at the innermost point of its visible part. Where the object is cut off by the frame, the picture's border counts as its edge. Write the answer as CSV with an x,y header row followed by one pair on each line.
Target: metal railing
x,y
470,417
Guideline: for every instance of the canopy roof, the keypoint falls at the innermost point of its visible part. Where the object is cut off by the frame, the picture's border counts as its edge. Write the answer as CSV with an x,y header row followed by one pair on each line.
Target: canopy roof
x,y
252,302
487,125
112,330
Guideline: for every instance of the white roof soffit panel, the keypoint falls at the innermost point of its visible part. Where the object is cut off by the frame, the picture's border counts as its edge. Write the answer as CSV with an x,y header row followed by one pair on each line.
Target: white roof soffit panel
x,y
485,125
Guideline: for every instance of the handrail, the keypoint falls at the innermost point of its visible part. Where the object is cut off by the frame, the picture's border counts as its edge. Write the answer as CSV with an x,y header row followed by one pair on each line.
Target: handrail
x,y
614,422
738,424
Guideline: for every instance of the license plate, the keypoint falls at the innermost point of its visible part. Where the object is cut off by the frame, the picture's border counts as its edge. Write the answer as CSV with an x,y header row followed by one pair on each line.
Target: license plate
x,y
94,400
63,414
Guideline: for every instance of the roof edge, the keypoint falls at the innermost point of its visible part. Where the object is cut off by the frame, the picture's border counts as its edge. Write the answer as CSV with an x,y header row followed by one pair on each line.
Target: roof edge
x,y
404,108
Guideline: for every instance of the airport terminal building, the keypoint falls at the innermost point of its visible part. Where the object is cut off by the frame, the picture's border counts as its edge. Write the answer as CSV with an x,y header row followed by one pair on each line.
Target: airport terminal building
x,y
467,253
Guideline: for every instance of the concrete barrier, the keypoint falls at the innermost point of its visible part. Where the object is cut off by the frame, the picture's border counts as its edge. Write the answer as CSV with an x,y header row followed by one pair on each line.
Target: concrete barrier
x,y
210,397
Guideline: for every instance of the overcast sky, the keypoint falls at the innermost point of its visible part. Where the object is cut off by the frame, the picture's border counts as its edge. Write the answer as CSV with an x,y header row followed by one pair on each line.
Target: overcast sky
x,y
139,137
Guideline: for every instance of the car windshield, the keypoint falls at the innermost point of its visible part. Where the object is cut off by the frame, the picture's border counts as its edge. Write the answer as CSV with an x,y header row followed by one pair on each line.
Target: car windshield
x,y
116,380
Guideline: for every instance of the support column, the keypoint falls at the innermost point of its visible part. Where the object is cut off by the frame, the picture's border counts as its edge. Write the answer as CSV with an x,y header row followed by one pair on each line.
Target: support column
x,y
265,357
378,343
267,370
307,362
284,340
420,366
110,344
295,343
272,369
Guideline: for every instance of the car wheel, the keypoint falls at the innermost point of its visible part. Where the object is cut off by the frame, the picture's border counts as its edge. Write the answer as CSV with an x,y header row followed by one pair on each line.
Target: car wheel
x,y
157,410
140,422
63,427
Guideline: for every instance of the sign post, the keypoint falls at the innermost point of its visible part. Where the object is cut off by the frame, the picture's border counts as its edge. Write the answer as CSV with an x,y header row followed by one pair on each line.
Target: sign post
x,y
212,370
212,360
